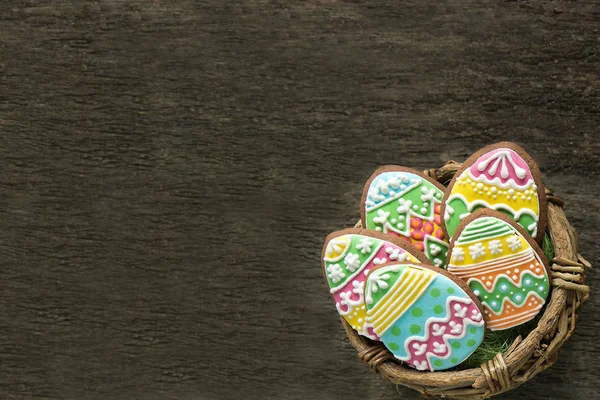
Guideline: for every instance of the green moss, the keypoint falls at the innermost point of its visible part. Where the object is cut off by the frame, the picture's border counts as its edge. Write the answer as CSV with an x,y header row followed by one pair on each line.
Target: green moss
x,y
548,247
499,341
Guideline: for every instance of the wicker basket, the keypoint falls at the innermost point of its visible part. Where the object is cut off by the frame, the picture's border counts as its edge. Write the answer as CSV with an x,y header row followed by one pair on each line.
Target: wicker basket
x,y
525,357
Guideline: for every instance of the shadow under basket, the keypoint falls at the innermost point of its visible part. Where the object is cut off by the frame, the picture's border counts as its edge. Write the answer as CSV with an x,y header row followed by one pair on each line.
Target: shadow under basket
x,y
524,358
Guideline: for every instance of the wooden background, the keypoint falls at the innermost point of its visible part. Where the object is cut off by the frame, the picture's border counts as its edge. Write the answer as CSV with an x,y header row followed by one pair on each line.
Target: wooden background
x,y
169,170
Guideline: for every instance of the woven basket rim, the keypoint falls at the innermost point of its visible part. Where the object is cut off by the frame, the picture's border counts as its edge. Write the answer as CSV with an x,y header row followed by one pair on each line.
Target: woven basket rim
x,y
526,356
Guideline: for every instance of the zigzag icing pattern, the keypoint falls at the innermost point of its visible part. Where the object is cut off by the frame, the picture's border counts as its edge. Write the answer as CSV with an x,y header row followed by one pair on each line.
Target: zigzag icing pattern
x,y
454,325
518,284
508,300
483,203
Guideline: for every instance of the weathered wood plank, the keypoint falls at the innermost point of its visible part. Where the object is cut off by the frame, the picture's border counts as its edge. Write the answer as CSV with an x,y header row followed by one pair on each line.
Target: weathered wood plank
x,y
169,171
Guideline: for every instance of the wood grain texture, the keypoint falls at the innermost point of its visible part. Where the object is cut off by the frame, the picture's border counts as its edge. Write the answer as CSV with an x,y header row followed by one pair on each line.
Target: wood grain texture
x,y
169,171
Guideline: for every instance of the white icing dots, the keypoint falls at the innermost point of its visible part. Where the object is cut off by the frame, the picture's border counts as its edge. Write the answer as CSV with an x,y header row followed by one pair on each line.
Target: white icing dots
x,y
336,273
458,254
514,242
364,245
477,250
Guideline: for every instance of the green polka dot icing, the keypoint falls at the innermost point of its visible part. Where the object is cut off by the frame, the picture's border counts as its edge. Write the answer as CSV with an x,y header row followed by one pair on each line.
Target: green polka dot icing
x,y
435,293
438,309
456,345
438,363
504,285
414,329
471,342
417,312
472,330
393,346
396,331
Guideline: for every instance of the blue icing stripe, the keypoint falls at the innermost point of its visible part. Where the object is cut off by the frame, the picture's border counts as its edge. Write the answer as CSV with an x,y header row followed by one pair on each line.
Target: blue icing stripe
x,y
461,348
434,299
388,185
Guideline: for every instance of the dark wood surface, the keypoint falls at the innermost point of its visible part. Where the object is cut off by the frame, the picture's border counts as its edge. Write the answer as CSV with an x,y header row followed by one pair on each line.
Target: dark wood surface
x,y
169,170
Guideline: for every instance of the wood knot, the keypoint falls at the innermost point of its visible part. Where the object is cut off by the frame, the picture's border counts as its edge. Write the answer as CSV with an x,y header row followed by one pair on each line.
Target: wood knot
x,y
375,355
496,374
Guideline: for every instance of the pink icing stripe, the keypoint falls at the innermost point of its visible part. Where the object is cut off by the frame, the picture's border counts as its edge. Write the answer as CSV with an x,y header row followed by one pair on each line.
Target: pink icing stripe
x,y
381,254
446,328
500,162
361,278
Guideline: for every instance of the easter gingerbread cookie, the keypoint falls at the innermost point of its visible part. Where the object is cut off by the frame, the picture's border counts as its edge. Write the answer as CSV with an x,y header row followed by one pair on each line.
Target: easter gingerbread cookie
x,y
423,315
502,265
501,177
403,202
347,258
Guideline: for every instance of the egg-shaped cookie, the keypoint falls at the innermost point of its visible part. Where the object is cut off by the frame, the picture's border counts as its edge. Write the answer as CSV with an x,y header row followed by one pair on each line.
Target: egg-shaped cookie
x,y
502,265
403,202
423,315
347,258
501,177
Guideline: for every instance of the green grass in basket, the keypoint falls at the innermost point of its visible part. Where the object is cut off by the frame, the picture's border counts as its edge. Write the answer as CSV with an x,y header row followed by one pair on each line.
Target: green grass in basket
x,y
499,341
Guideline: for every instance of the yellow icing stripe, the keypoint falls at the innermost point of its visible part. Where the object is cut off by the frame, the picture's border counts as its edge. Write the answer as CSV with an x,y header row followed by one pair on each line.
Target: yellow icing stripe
x,y
385,304
507,244
406,294
384,324
490,268
473,189
410,279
